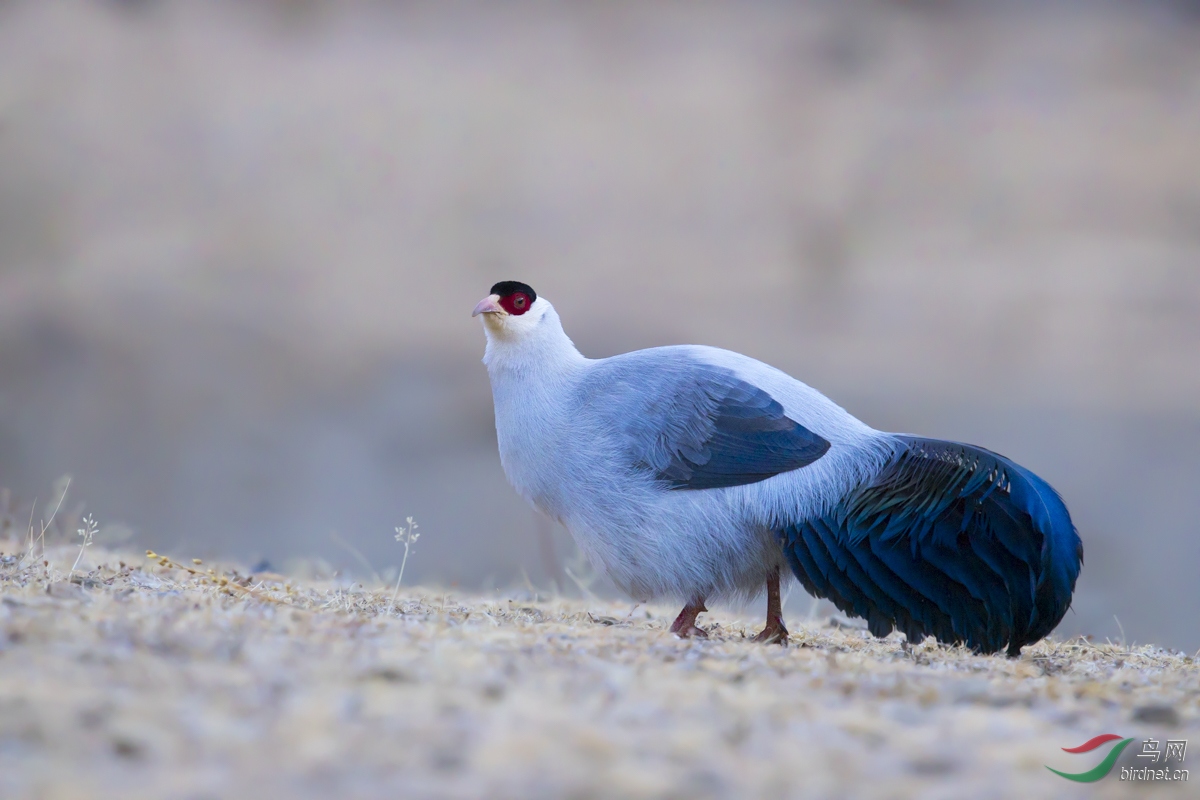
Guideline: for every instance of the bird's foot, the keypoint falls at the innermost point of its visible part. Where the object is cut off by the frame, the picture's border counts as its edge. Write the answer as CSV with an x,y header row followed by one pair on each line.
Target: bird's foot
x,y
691,631
684,625
774,633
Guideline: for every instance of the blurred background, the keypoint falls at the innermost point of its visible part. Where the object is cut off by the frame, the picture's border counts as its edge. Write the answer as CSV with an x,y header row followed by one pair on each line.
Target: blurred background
x,y
240,242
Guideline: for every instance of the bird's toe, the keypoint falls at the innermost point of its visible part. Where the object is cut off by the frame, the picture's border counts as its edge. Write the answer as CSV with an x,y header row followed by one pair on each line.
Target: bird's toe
x,y
773,634
691,631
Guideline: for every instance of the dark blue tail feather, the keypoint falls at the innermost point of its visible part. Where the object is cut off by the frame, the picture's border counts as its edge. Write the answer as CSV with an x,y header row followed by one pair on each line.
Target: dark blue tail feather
x,y
949,540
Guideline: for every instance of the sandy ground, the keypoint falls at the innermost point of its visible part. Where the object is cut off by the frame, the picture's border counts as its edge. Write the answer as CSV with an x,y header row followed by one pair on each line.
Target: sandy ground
x,y
139,679
240,242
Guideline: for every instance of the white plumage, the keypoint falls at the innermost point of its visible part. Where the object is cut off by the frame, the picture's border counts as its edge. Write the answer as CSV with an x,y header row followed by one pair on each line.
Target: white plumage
x,y
679,469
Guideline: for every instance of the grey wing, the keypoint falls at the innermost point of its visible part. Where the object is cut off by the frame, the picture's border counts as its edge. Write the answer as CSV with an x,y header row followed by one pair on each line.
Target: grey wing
x,y
697,426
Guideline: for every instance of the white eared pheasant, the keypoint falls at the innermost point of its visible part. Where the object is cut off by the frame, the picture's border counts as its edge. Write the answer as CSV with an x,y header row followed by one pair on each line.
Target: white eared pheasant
x,y
696,473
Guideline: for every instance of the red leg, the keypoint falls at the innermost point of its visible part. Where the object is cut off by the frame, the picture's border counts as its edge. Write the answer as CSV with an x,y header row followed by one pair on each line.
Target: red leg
x,y
684,625
775,632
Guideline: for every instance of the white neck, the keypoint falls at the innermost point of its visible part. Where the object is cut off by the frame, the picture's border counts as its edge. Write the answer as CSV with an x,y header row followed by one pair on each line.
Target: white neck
x,y
531,364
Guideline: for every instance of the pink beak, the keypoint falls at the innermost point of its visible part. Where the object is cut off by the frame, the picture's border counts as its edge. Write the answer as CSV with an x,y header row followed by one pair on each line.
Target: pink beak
x,y
488,305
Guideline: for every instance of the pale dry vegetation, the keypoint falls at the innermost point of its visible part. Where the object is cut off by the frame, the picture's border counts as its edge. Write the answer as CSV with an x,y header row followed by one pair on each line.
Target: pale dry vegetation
x,y
152,678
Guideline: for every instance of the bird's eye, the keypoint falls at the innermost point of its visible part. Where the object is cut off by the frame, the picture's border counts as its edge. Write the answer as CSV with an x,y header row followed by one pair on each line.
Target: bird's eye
x,y
515,303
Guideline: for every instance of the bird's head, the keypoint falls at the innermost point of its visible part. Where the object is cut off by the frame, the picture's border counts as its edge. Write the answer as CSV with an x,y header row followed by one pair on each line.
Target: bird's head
x,y
523,330
511,310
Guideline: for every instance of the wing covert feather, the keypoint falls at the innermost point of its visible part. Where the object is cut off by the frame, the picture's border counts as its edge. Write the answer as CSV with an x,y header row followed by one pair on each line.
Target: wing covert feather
x,y
698,426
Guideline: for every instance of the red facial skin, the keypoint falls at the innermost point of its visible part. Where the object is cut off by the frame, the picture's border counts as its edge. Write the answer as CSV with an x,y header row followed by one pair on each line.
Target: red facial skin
x,y
516,303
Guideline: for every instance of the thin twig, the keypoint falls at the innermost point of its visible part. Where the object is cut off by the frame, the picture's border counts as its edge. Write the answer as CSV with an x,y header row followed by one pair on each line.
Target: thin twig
x,y
354,552
61,498
586,591
87,532
217,580
32,509
406,537
528,583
